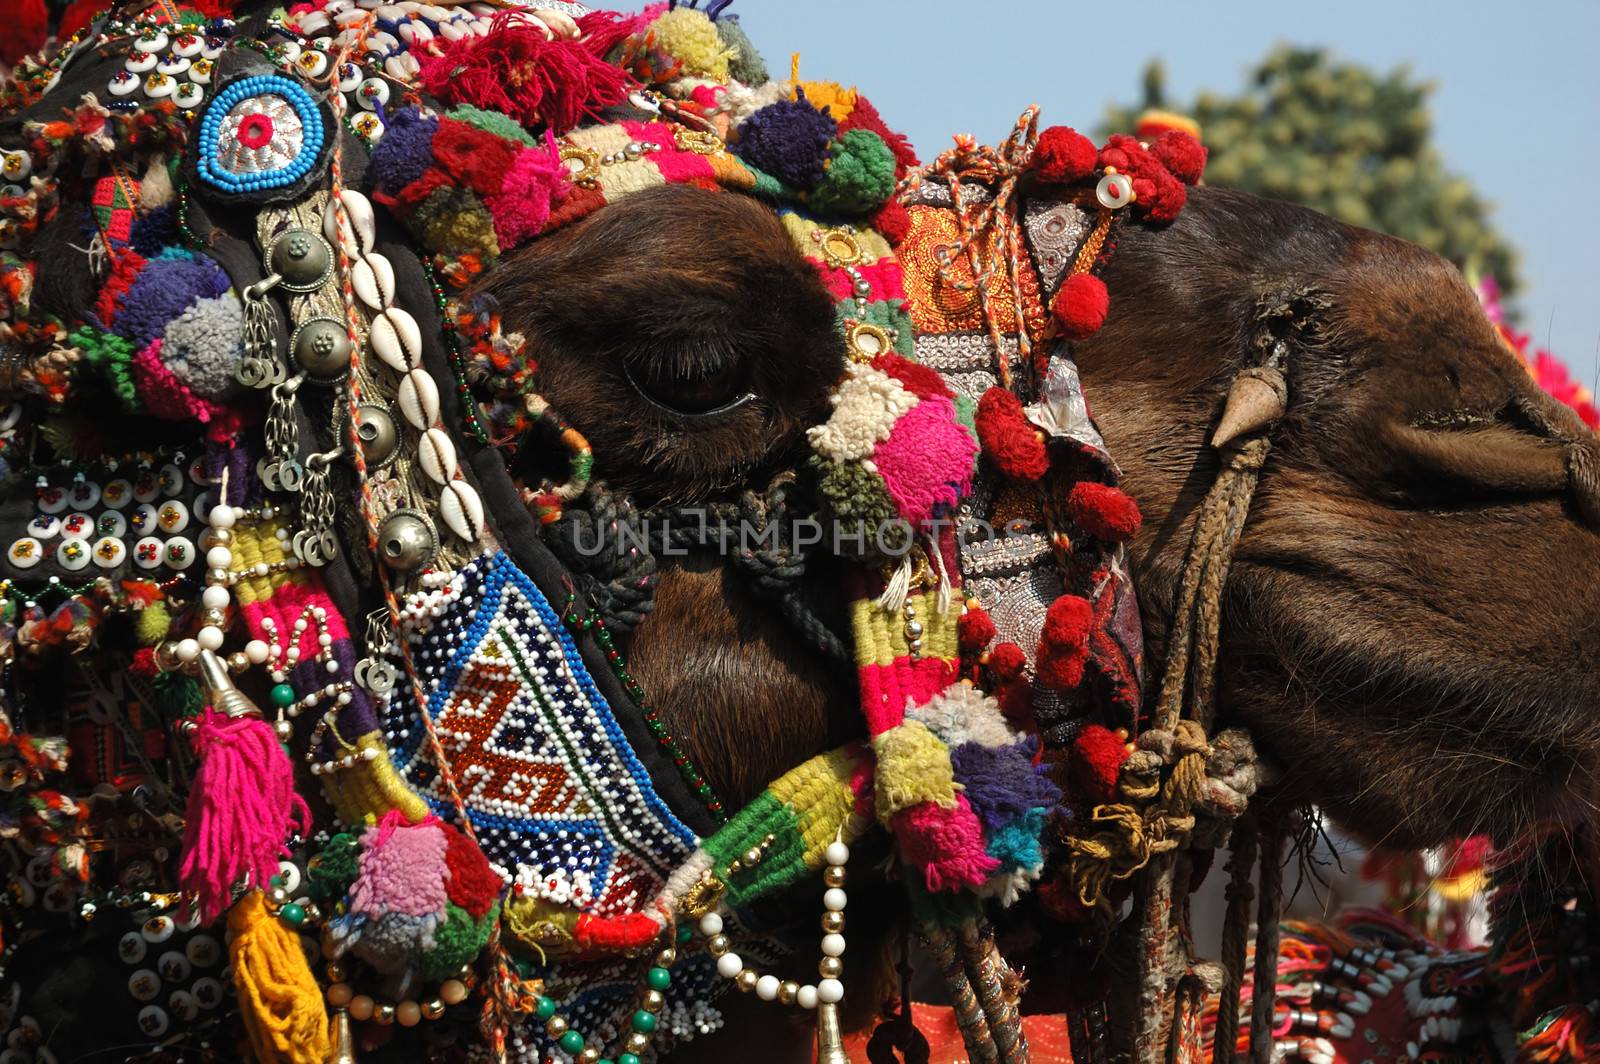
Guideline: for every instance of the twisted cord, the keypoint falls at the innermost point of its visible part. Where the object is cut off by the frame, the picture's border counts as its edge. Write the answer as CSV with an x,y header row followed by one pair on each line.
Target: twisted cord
x,y
601,541
1235,940
1269,911
996,988
972,1021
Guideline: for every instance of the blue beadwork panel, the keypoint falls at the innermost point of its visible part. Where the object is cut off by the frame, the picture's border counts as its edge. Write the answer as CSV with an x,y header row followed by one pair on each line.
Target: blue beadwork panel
x,y
559,802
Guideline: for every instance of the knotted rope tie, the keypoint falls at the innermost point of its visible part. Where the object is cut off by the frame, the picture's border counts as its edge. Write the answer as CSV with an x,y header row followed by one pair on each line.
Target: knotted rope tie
x,y
983,226
1155,817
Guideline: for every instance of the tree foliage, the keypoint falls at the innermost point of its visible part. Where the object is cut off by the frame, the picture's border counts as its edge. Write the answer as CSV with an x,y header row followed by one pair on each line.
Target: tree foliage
x,y
1339,138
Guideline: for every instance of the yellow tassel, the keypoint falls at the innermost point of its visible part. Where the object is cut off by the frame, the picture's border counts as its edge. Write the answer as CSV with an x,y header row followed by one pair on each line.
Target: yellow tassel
x,y
278,997
794,75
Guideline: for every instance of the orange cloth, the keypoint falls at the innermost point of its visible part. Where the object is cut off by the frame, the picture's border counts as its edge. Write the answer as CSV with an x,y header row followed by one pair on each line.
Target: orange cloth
x,y
1047,1037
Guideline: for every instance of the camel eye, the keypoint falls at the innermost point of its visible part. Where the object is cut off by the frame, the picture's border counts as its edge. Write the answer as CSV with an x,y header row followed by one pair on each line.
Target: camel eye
x,y
700,391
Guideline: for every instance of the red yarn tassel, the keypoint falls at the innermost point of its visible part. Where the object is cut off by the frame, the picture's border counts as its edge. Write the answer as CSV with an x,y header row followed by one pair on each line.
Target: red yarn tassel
x,y
28,27
517,70
242,808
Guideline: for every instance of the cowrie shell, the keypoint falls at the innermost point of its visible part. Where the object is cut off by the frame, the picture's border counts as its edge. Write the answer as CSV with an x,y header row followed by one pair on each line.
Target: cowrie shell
x,y
461,509
418,397
396,339
437,457
358,237
373,279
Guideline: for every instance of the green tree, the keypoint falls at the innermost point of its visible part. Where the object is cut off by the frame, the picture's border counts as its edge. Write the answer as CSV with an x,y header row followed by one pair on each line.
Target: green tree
x,y
1344,140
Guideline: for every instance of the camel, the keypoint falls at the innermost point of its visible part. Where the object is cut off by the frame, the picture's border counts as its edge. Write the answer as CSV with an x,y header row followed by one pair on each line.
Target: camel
x,y
1416,459
1401,634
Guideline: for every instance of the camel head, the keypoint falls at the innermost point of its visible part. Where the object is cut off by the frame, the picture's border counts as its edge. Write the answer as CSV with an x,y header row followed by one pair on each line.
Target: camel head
x,y
1412,607
1410,623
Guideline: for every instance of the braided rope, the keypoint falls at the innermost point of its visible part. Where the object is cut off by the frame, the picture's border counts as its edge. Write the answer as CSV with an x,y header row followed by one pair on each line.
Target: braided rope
x,y
1269,910
1235,938
1192,648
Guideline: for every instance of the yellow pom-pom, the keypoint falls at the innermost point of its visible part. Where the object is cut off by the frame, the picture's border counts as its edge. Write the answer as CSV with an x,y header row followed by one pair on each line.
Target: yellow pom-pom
x,y
913,767
689,36
830,96
152,624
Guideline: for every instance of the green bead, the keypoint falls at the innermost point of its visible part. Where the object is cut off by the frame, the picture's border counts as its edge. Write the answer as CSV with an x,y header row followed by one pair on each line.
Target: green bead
x,y
276,880
685,934
644,1022
659,978
607,1060
282,695
544,1008
294,914
572,1042
628,1058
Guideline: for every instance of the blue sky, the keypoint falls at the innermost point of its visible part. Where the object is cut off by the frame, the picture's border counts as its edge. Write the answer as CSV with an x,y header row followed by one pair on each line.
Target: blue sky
x,y
1516,107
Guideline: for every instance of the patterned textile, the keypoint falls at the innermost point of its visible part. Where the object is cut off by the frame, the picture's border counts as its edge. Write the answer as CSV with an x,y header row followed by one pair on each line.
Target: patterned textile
x,y
559,802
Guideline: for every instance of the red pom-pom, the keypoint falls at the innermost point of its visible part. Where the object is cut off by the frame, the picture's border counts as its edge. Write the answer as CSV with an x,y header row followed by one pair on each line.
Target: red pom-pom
x,y
1006,661
1095,761
893,221
1107,513
1080,306
77,16
27,28
1008,438
919,380
1016,702
1167,200
1182,155
1064,643
974,629
472,884
144,663
1063,155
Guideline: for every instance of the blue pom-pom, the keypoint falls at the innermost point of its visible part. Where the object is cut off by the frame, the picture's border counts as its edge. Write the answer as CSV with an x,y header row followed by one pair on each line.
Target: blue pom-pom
x,y
789,140
405,152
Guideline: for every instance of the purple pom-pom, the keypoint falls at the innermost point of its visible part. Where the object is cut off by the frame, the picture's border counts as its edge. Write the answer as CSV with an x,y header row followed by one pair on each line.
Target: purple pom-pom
x,y
165,288
405,152
789,140
1002,782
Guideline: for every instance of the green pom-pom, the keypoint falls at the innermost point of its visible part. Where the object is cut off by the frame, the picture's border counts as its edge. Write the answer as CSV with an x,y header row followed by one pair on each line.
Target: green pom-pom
x,y
746,65
152,624
335,868
176,695
860,175
457,941
861,510
453,221
492,122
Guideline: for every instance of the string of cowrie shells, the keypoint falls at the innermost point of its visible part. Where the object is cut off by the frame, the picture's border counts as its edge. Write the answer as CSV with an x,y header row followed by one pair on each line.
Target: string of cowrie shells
x,y
406,537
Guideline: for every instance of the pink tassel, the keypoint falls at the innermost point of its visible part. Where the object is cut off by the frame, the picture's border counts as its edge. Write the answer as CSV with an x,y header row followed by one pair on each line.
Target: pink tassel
x,y
242,809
